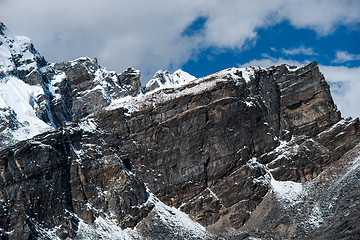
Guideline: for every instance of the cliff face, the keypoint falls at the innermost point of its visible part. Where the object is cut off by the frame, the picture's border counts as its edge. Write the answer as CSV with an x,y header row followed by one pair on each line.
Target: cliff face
x,y
214,154
241,153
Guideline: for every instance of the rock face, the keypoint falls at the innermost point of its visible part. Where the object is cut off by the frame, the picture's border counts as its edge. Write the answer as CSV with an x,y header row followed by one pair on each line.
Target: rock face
x,y
52,95
47,182
212,154
243,153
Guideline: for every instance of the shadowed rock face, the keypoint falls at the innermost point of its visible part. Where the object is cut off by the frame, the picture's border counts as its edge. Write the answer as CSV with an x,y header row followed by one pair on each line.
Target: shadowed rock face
x,y
214,148
197,152
84,87
47,182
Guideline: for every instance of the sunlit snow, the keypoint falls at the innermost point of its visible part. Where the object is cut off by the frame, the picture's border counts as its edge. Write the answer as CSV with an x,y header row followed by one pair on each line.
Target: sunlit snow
x,y
19,96
287,191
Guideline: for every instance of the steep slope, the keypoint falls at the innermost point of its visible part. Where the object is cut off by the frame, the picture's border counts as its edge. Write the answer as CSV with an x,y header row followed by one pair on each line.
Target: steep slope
x,y
241,153
212,147
18,107
36,96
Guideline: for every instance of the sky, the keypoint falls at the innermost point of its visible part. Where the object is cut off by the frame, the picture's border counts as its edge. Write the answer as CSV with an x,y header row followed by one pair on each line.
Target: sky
x,y
199,36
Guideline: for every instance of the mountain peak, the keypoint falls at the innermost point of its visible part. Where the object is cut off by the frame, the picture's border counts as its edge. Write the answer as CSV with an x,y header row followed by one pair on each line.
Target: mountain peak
x,y
88,153
18,57
163,79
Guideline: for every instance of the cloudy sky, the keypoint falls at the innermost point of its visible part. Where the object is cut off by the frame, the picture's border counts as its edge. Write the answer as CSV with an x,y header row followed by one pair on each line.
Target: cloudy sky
x,y
199,36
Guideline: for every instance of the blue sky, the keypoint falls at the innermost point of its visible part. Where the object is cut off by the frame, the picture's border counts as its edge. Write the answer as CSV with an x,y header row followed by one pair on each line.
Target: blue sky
x,y
282,41
201,36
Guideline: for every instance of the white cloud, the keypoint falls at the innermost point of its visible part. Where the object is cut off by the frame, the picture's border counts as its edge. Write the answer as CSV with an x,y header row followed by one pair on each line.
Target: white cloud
x,y
345,87
344,82
301,50
322,15
147,34
269,61
143,34
343,56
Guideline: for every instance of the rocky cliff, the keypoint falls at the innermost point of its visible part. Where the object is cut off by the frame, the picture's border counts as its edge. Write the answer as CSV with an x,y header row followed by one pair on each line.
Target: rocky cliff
x,y
243,153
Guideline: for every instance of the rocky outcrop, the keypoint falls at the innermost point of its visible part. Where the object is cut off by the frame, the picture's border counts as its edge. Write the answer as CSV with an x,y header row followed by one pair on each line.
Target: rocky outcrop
x,y
53,95
241,153
130,79
210,154
50,182
18,56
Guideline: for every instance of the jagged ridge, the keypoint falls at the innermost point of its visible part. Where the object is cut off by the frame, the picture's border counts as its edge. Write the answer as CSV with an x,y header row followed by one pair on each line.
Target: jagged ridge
x,y
245,152
37,96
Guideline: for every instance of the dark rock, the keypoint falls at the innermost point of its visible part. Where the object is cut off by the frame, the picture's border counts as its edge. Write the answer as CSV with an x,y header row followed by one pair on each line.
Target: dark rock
x,y
207,141
212,148
130,80
48,183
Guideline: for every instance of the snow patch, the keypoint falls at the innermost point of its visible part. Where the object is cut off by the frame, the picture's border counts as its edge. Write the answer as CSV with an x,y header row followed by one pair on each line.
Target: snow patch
x,y
179,220
162,80
315,219
80,59
181,77
345,122
248,73
213,194
287,191
133,104
19,96
180,88
107,228
292,68
19,48
285,150
59,78
104,228
89,125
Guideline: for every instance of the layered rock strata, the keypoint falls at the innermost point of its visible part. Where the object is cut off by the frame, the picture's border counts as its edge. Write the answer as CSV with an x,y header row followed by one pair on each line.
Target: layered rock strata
x,y
241,153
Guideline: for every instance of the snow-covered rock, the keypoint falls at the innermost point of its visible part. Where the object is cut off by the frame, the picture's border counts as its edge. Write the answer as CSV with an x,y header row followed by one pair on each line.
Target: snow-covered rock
x,y
244,152
163,79
18,57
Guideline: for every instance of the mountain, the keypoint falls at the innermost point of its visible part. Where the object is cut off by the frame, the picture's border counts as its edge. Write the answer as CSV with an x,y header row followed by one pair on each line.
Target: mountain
x,y
162,79
37,96
244,153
